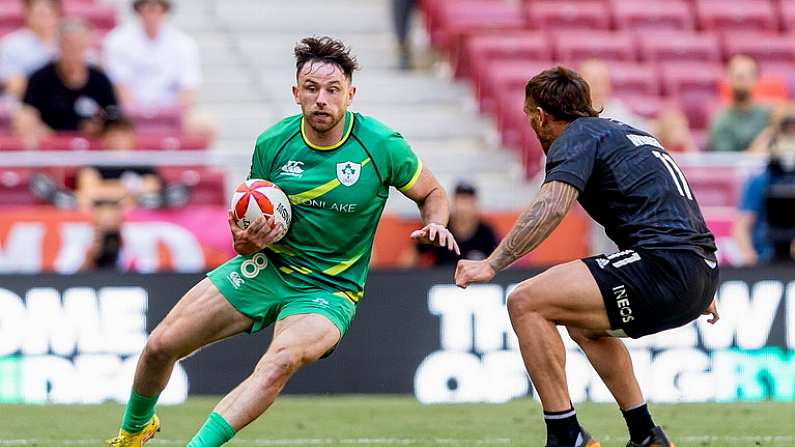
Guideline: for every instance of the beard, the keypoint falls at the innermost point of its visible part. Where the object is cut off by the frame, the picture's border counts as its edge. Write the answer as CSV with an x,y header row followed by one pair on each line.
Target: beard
x,y
544,135
741,95
326,122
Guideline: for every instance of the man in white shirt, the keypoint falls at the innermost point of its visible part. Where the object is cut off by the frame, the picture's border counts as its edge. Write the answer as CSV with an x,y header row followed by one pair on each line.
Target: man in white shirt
x,y
153,64
24,51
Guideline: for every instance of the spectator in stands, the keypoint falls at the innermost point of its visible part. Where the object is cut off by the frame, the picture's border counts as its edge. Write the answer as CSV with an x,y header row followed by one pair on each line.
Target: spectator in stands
x,y
672,129
401,14
597,74
476,238
154,65
26,50
126,184
66,95
736,127
753,228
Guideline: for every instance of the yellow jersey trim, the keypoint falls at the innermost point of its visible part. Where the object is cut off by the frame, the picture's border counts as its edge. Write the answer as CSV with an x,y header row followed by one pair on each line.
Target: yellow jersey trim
x,y
342,266
314,193
414,179
352,296
349,116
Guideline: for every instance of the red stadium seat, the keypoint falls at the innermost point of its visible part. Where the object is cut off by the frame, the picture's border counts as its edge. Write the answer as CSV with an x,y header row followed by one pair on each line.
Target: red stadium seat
x,y
102,17
506,76
761,47
66,141
714,186
682,78
630,78
458,18
484,49
563,14
788,14
158,121
15,187
647,106
11,143
98,16
206,184
575,47
170,142
652,15
740,16
662,47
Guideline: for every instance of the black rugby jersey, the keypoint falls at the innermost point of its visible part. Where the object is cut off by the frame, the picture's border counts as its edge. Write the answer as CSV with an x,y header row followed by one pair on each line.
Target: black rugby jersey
x,y
630,185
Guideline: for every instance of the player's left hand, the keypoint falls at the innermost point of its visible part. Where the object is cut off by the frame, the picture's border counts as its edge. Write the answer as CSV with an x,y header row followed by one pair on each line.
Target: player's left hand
x,y
436,234
712,310
468,272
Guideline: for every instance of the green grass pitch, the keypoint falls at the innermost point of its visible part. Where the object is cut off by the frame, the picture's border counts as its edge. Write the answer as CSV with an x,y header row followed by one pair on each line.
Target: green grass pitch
x,y
401,421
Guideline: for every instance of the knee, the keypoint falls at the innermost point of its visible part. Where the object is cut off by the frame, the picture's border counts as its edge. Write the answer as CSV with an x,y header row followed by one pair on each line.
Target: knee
x,y
281,364
159,349
521,302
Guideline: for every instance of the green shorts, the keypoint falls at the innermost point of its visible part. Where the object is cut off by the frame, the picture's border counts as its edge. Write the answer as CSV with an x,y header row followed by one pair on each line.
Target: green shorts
x,y
256,288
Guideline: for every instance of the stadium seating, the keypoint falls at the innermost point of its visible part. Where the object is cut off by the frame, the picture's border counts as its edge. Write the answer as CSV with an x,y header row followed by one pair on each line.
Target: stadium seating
x,y
458,18
788,14
630,78
738,16
64,141
206,184
562,14
170,142
649,15
763,48
481,50
508,76
573,47
99,16
662,47
15,187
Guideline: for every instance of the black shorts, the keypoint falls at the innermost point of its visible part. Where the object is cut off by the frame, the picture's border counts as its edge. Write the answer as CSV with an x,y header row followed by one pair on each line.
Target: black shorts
x,y
648,291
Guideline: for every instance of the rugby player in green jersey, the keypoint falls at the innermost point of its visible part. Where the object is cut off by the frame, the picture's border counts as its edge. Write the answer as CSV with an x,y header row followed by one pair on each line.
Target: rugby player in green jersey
x,y
336,167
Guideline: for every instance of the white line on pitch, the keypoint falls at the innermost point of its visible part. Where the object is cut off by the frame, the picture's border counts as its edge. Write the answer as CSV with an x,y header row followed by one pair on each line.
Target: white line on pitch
x,y
772,440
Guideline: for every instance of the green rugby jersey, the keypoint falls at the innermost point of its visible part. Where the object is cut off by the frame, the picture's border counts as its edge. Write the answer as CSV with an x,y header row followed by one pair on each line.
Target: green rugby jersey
x,y
337,194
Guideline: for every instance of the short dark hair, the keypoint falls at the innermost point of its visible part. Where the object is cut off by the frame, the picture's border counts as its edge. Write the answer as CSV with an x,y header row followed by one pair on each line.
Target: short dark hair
x,y
465,189
325,49
112,118
137,4
562,93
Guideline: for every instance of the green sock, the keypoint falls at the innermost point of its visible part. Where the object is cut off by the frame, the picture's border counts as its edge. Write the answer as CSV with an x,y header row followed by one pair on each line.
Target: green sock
x,y
214,433
138,413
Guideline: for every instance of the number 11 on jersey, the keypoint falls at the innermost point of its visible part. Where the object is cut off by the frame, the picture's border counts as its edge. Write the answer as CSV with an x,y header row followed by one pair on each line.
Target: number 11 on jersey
x,y
676,173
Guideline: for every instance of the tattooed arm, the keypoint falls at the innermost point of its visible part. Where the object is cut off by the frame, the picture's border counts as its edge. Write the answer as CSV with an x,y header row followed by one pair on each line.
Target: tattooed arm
x,y
553,202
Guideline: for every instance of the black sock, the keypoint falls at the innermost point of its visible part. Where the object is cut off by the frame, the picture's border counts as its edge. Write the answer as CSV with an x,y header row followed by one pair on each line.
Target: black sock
x,y
639,423
562,427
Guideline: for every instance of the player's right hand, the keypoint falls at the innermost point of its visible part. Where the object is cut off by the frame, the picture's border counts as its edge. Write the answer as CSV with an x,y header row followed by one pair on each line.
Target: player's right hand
x,y
712,310
468,272
261,233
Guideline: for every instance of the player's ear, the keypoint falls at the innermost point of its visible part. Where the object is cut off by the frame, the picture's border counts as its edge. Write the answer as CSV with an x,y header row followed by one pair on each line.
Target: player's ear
x,y
295,95
542,116
351,94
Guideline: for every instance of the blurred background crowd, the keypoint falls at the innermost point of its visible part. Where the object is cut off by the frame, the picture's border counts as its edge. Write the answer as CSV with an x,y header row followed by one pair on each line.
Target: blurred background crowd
x,y
117,112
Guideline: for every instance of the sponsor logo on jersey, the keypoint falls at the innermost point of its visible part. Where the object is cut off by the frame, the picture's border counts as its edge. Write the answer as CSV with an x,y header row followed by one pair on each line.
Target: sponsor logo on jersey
x,y
602,262
235,279
293,168
320,301
622,301
643,140
348,172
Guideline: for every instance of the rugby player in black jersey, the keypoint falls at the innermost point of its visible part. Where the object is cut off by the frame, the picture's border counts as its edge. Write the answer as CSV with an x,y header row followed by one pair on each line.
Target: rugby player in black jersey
x,y
664,275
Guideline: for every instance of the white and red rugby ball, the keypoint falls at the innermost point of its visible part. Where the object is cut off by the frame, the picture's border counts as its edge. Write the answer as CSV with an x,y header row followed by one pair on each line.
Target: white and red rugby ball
x,y
256,197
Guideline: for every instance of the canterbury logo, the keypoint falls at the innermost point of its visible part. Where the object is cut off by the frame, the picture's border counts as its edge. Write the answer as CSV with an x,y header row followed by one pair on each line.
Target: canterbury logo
x,y
293,168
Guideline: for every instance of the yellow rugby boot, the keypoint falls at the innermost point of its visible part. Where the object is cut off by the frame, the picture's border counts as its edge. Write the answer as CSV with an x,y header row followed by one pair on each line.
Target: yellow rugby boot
x,y
135,439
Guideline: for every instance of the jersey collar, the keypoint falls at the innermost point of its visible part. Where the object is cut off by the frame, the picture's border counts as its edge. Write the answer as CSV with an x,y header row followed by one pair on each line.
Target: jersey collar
x,y
349,118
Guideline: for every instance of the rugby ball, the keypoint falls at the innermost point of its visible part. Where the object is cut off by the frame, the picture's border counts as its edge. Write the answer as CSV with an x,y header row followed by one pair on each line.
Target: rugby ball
x,y
256,197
